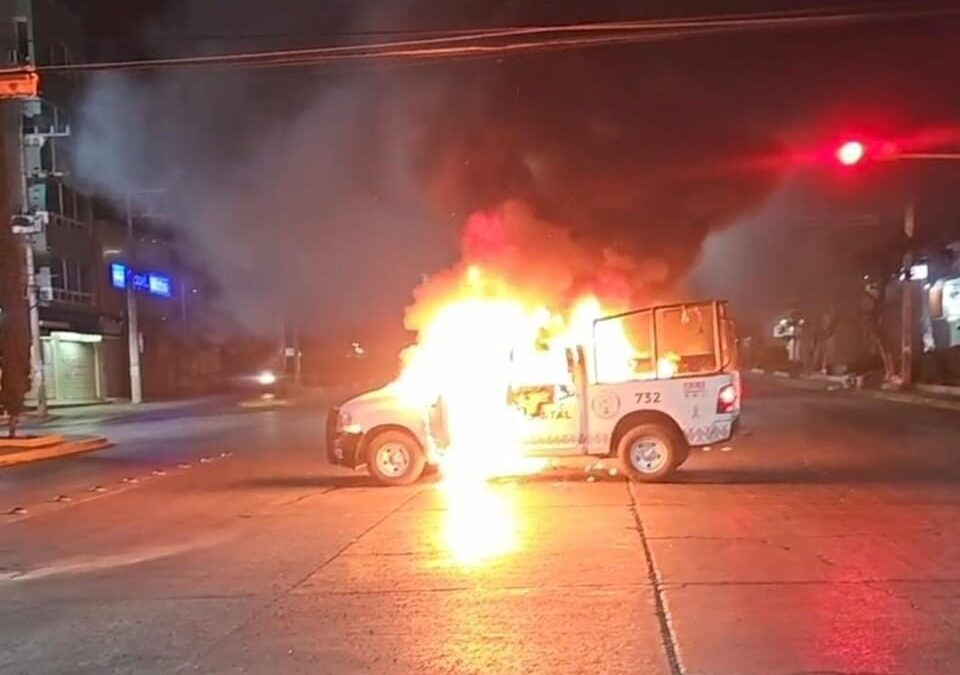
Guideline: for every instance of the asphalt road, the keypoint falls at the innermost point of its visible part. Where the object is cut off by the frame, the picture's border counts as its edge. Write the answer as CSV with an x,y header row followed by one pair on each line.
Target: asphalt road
x,y
826,541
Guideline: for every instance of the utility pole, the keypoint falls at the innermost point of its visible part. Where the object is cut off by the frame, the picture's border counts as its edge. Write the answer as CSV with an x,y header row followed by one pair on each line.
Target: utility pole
x,y
38,380
906,294
133,327
297,363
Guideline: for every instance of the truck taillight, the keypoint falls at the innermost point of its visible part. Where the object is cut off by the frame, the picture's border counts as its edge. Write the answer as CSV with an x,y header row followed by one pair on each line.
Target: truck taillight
x,y
727,399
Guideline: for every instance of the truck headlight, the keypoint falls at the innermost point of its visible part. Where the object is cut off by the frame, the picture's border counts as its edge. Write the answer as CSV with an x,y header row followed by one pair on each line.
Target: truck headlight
x,y
343,420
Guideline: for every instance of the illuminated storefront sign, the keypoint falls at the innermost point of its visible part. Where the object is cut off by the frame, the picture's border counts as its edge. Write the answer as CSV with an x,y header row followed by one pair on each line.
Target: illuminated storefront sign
x,y
159,285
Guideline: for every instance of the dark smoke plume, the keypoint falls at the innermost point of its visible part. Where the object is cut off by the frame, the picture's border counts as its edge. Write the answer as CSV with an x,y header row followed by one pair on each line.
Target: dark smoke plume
x,y
621,158
334,190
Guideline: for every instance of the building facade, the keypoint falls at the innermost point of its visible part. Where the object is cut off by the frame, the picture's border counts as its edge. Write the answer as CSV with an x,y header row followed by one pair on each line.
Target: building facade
x,y
81,302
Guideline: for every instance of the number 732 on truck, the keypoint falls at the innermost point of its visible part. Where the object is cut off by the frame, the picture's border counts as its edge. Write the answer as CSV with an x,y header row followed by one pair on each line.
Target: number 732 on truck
x,y
650,385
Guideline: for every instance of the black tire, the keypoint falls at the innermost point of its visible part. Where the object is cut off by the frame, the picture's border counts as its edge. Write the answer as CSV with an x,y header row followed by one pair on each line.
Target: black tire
x,y
663,456
683,454
405,463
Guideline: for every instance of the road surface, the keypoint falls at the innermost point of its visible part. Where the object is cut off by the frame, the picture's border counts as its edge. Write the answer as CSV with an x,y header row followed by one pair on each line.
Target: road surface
x,y
826,541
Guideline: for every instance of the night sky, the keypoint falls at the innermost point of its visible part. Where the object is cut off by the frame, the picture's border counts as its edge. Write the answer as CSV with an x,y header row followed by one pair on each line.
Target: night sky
x,y
649,149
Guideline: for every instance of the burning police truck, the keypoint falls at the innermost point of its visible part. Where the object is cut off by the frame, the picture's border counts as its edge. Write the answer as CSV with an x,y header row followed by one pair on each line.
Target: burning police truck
x,y
642,387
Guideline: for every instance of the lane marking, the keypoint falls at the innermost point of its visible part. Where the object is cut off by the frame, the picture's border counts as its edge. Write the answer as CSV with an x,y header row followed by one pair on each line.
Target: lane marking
x,y
86,563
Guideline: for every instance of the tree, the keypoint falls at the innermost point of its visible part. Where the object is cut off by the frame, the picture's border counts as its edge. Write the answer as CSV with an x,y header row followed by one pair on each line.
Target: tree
x,y
822,327
873,316
14,320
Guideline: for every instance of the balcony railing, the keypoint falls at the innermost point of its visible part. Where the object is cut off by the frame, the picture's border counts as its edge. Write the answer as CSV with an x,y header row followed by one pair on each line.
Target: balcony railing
x,y
71,297
66,222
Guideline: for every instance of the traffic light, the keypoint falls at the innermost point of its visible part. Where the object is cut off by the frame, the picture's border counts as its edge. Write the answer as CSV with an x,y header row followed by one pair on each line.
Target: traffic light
x,y
851,153
18,83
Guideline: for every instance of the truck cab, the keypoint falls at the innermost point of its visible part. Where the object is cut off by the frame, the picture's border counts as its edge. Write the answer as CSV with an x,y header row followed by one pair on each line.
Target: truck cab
x,y
647,387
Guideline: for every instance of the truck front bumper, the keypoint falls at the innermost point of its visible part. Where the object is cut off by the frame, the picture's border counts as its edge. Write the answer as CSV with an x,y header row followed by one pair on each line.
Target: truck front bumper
x,y
343,448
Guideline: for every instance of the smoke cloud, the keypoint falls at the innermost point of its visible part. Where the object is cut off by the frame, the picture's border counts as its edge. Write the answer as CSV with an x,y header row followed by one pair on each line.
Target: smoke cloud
x,y
335,190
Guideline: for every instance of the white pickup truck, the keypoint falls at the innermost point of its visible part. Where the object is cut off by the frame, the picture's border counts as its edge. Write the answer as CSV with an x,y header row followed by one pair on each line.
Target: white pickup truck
x,y
677,388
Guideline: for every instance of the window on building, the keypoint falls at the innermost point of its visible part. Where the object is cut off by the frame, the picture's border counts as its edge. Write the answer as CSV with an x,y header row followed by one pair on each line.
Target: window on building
x,y
71,280
22,51
64,156
53,197
58,54
69,203
56,273
84,208
76,276
46,158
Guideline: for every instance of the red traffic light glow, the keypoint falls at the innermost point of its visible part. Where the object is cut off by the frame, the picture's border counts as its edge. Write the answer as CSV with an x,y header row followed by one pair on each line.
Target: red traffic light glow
x,y
851,153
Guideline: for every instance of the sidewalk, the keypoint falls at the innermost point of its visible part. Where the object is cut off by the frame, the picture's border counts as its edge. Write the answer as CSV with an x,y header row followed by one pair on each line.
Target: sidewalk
x,y
929,395
123,411
97,413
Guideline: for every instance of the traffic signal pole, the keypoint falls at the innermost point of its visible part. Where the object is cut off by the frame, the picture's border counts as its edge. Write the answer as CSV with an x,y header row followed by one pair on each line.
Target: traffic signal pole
x,y
854,152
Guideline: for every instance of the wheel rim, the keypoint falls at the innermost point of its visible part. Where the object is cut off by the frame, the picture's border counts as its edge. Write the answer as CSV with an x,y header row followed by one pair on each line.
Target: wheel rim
x,y
393,459
648,455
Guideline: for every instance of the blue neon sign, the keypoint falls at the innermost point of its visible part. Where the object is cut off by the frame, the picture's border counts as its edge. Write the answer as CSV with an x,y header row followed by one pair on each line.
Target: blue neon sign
x,y
146,282
157,284
118,275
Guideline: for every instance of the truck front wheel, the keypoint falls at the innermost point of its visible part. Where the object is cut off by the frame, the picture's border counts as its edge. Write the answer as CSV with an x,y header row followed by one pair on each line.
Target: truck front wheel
x,y
650,452
394,458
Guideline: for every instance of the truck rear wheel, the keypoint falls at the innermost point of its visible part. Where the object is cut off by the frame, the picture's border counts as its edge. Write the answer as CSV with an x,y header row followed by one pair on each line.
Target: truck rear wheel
x,y
394,458
650,452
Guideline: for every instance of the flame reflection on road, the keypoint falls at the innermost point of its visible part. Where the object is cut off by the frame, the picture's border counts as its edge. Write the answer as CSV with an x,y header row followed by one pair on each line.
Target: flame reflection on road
x,y
481,522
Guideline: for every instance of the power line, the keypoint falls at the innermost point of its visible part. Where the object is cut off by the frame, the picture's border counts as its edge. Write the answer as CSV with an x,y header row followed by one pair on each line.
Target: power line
x,y
451,32
519,39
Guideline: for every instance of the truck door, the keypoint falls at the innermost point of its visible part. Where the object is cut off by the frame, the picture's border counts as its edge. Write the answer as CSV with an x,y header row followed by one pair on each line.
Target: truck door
x,y
546,402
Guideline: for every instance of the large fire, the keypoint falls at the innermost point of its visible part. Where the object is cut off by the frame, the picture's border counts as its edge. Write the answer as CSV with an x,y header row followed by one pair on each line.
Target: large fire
x,y
480,327
465,362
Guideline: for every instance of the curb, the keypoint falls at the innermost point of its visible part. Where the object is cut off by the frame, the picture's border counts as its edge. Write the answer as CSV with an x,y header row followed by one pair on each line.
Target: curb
x,y
30,442
51,452
809,385
266,403
913,399
876,394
